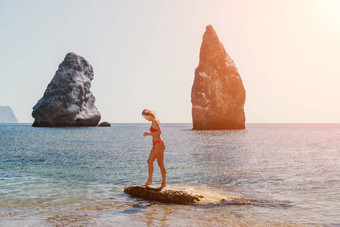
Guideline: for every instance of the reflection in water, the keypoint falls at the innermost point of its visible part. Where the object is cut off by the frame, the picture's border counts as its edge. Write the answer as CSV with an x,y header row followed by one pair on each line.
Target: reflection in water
x,y
157,214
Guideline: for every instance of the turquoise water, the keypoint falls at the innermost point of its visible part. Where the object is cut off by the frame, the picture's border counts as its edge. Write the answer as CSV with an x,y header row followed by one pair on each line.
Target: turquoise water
x,y
76,176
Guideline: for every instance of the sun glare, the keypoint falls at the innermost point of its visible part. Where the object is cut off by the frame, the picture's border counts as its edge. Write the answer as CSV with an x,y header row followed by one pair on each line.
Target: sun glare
x,y
327,13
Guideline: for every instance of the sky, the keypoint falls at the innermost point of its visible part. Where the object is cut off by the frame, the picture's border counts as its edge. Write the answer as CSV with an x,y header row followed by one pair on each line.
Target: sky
x,y
144,54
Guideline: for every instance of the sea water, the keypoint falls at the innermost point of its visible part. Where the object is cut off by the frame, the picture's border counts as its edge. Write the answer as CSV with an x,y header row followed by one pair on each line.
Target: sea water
x,y
290,174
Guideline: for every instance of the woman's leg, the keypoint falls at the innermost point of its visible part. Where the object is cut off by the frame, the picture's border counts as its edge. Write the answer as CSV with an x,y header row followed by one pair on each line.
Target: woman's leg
x,y
151,159
159,153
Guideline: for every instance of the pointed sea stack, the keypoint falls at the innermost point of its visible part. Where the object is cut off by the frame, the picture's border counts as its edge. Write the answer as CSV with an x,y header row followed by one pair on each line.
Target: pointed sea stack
x,y
217,94
68,100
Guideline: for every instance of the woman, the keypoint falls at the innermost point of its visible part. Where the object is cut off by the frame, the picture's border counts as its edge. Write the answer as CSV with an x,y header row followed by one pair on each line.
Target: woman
x,y
157,151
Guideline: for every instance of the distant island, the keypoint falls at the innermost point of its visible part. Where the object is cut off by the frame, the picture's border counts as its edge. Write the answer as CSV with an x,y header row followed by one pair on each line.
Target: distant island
x,y
7,115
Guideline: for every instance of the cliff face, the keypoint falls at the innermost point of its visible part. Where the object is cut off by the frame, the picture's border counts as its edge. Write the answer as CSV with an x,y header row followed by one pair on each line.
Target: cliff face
x,y
68,100
7,115
217,94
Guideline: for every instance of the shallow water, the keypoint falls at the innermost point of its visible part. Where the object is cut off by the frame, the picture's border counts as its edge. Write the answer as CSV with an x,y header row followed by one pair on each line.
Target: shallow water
x,y
289,173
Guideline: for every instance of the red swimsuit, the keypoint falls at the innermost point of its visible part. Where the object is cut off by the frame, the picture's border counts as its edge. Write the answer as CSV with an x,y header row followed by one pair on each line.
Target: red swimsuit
x,y
157,141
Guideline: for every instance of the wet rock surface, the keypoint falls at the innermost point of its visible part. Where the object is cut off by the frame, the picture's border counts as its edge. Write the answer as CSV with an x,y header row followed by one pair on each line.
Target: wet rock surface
x,y
177,194
217,94
200,195
68,101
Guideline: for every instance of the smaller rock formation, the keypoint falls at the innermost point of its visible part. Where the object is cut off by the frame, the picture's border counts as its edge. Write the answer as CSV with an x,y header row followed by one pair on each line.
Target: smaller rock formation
x,y
68,100
165,195
217,94
104,124
179,194
7,115
199,195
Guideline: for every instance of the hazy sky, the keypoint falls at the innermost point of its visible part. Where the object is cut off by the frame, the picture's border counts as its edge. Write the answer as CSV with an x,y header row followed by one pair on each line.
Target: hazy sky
x,y
144,54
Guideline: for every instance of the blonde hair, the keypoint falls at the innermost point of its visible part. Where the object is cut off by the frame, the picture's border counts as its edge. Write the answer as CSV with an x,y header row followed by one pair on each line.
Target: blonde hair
x,y
147,112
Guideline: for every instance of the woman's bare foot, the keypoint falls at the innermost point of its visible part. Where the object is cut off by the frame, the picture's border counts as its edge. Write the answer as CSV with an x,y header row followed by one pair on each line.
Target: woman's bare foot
x,y
163,185
147,183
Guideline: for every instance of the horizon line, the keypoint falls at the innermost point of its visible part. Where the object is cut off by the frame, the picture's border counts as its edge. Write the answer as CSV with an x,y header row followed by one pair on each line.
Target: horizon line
x,y
191,123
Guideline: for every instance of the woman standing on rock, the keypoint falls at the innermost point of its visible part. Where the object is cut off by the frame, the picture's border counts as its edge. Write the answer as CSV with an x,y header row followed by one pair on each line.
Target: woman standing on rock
x,y
157,151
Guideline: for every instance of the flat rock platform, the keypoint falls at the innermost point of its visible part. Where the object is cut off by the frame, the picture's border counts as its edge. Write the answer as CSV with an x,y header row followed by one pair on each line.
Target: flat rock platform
x,y
179,194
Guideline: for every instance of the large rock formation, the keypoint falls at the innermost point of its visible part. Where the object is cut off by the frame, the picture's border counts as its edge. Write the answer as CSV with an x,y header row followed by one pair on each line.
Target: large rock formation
x,y
217,95
7,115
68,100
